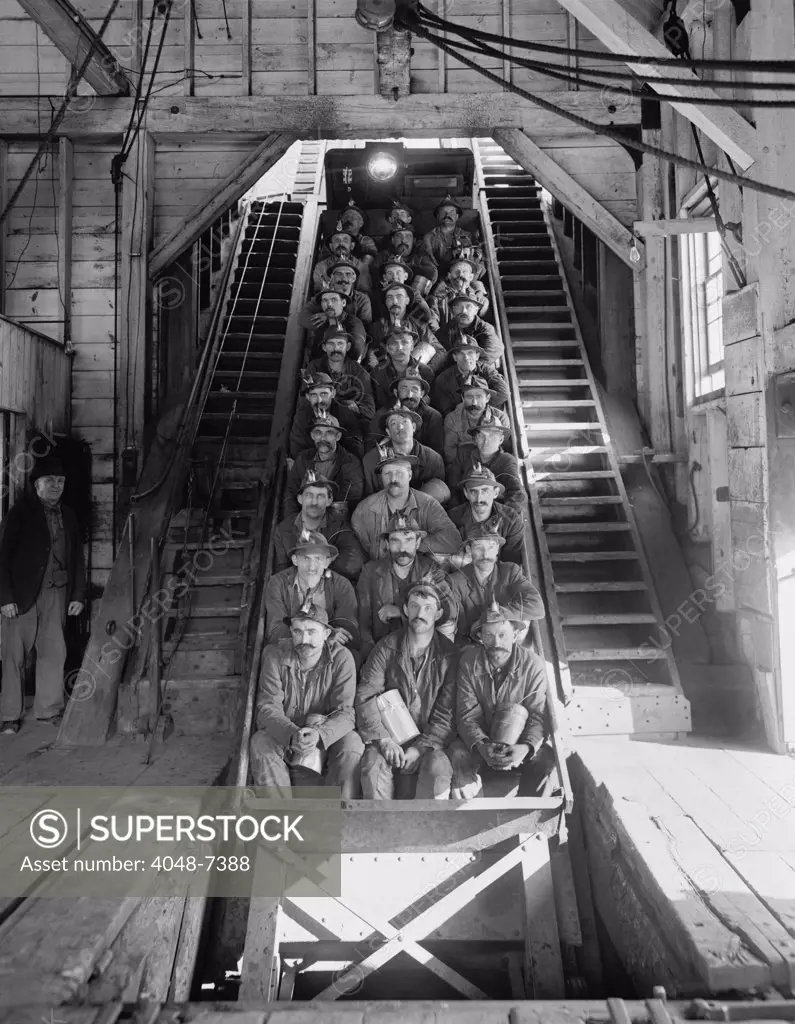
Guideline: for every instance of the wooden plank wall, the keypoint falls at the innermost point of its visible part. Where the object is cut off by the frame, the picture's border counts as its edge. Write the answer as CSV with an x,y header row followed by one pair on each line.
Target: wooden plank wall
x,y
34,378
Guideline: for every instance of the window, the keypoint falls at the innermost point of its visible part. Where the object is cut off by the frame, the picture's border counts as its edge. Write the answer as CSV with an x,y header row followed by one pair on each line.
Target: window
x,y
702,308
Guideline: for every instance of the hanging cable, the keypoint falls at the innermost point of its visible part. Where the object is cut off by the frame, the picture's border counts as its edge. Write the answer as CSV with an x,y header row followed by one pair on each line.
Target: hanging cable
x,y
423,14
413,25
75,80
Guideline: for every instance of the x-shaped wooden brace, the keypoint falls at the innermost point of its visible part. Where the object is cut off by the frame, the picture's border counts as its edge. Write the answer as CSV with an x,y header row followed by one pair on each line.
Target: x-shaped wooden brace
x,y
407,939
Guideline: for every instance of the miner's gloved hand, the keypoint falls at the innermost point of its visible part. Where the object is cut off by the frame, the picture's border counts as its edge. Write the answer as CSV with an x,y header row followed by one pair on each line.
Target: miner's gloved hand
x,y
305,740
511,756
388,612
75,608
340,636
489,752
411,761
392,753
10,611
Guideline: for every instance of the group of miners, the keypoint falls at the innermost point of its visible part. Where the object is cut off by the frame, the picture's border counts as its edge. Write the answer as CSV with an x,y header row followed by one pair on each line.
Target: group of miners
x,y
398,661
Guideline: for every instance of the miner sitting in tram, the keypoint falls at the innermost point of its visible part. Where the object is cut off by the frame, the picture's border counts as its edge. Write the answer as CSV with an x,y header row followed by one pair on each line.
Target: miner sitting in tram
x,y
483,493
397,298
473,408
405,705
382,586
501,704
487,579
342,245
311,578
460,281
400,426
464,319
399,345
353,384
402,242
319,394
372,515
411,389
326,459
485,449
446,241
467,360
397,271
330,308
320,514
304,717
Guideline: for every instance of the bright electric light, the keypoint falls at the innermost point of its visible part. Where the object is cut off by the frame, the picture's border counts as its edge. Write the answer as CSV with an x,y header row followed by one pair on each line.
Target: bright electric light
x,y
382,167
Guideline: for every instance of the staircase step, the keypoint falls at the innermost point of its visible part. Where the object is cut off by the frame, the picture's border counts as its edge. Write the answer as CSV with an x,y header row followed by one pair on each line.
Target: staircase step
x,y
563,450
593,556
614,654
598,586
563,403
220,542
538,363
558,382
558,426
585,499
586,527
618,619
575,474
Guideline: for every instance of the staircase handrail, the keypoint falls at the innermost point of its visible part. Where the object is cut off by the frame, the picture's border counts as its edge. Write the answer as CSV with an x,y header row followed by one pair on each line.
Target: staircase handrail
x,y
292,359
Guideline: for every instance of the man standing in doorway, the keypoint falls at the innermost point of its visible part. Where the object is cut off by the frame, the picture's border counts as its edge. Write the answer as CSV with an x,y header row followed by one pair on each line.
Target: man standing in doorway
x,y
42,580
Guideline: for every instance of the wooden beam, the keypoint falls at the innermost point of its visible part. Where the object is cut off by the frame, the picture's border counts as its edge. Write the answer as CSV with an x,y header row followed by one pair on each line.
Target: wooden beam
x,y
621,32
560,183
507,64
231,188
543,966
189,48
65,183
461,115
311,45
393,62
4,194
134,297
679,226
74,37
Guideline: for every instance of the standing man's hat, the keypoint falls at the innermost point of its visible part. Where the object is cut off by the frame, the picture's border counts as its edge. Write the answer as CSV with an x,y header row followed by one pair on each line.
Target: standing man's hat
x,y
46,465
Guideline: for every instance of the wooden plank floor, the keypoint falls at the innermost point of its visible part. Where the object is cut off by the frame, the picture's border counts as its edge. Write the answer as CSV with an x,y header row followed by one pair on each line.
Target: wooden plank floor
x,y
700,841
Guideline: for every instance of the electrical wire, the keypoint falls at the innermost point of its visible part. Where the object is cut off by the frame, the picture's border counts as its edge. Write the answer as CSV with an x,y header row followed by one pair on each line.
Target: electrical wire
x,y
560,73
140,72
413,25
423,14
58,119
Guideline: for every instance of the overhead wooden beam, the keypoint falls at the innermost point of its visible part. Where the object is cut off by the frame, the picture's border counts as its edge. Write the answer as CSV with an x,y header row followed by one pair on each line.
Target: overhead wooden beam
x,y
567,190
621,32
679,226
74,37
201,217
135,303
65,181
462,115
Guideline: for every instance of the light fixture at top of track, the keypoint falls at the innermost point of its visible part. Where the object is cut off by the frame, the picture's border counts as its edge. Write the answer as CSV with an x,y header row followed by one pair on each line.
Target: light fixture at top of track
x,y
382,166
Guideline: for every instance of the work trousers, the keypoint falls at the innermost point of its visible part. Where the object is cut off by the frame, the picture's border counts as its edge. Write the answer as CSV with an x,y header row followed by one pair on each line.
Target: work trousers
x,y
430,781
40,627
270,769
471,774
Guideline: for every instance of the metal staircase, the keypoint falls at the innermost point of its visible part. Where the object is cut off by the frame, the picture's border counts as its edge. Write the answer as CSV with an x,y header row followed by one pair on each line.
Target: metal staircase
x,y
606,620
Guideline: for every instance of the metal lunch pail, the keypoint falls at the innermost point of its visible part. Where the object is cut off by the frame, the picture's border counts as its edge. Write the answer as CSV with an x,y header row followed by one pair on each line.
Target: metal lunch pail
x,y
396,717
